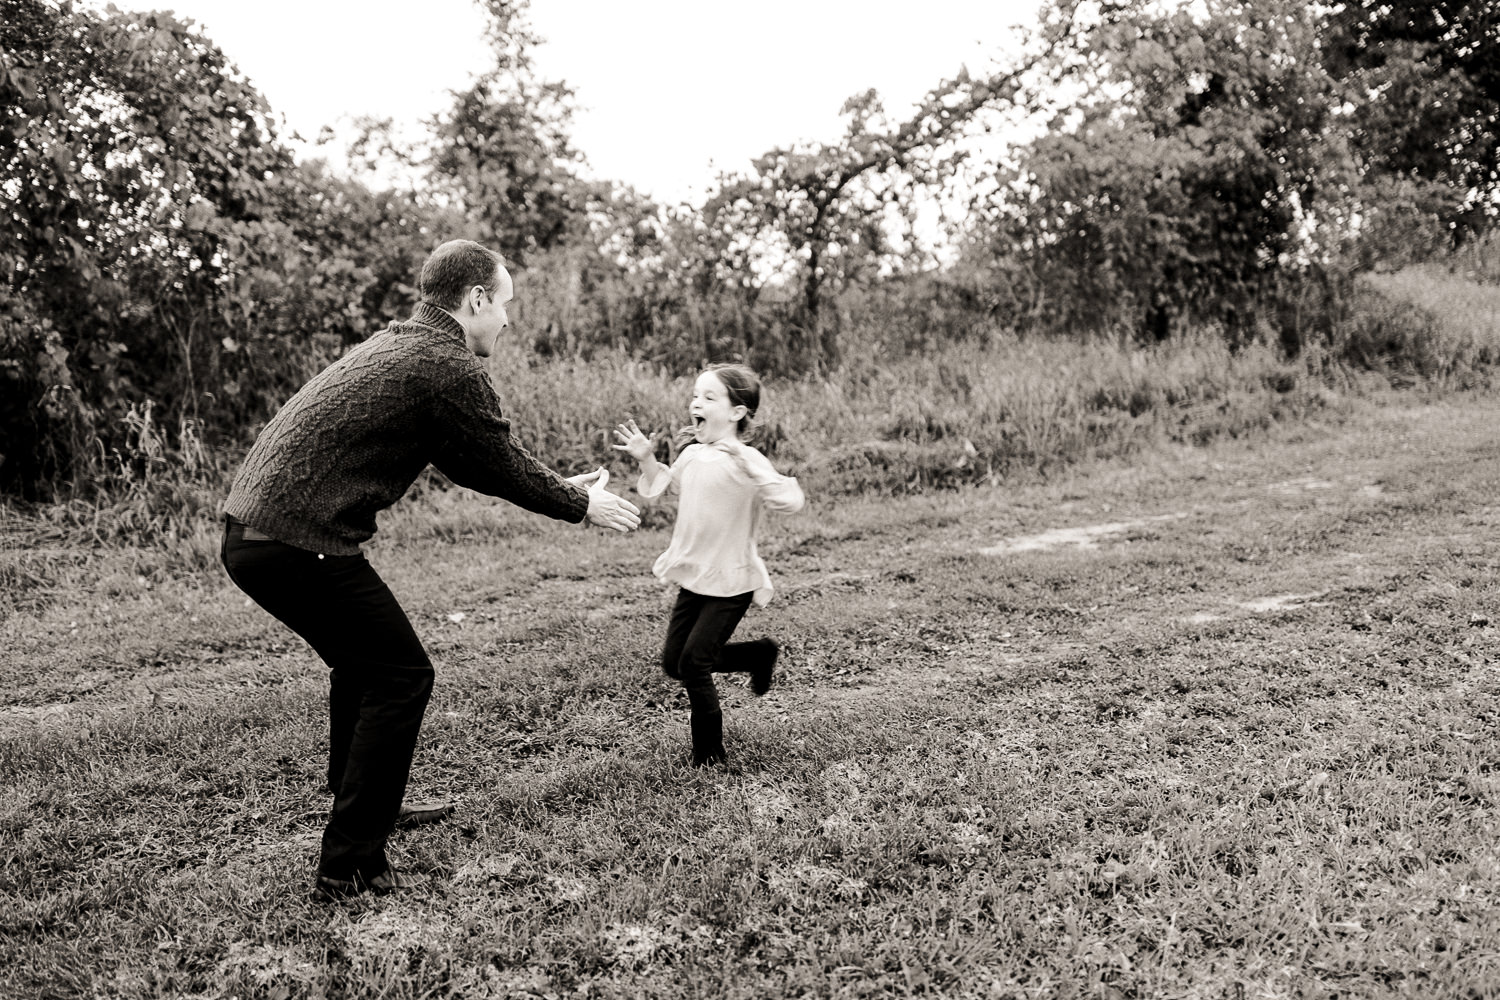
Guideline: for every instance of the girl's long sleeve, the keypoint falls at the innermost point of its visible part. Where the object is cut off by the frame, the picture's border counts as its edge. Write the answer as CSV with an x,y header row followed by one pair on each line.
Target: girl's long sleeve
x,y
650,486
776,492
783,495
656,485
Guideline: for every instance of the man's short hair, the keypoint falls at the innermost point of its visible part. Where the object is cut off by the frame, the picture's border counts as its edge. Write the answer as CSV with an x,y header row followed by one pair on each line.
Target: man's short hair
x,y
454,268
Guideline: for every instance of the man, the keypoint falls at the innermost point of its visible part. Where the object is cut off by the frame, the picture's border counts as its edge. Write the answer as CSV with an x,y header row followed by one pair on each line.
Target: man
x,y
345,447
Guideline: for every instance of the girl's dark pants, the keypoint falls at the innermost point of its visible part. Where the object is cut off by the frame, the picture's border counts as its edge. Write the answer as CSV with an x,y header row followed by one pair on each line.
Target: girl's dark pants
x,y
697,647
380,678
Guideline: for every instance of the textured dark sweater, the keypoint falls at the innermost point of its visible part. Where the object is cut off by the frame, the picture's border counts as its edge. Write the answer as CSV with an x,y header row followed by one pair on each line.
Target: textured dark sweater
x,y
353,440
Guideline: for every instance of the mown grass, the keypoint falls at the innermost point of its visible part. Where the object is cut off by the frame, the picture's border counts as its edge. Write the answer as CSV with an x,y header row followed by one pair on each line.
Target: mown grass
x,y
1140,769
1244,746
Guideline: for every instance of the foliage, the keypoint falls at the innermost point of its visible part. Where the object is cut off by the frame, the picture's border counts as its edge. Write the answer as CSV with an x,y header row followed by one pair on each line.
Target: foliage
x,y
642,280
818,216
503,150
1213,171
1423,82
1198,177
160,246
764,271
116,132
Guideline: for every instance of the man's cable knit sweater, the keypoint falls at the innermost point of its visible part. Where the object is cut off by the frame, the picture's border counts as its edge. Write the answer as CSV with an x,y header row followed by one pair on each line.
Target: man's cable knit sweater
x,y
353,440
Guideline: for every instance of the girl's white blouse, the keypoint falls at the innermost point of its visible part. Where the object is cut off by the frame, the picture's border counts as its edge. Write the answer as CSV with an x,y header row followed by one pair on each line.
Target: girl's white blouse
x,y
722,496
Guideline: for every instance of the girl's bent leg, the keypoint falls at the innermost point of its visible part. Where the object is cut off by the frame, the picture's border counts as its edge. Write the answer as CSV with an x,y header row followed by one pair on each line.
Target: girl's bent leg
x,y
756,657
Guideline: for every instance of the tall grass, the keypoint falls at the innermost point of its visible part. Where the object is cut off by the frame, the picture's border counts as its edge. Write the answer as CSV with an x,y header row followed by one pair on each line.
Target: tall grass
x,y
1478,260
1442,325
887,420
159,495
965,413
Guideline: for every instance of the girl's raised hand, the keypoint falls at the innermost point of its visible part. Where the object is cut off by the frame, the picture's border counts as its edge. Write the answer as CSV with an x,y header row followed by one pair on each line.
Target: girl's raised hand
x,y
738,453
633,442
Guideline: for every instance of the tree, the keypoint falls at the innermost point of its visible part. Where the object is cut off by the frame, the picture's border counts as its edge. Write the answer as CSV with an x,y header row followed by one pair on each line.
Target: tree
x,y
161,250
1424,85
824,210
117,132
1203,166
503,151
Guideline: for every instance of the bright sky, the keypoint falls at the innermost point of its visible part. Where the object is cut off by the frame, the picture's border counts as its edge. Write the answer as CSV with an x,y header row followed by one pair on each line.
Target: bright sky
x,y
670,92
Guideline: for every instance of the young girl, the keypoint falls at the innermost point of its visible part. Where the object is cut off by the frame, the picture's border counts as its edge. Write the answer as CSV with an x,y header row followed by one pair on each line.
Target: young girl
x,y
724,486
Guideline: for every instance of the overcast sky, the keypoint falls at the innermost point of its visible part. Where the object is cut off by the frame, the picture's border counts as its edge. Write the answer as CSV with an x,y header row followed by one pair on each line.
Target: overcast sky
x,y
670,91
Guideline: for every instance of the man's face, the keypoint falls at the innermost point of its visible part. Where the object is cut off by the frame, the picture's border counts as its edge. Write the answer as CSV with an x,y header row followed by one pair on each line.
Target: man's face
x,y
489,318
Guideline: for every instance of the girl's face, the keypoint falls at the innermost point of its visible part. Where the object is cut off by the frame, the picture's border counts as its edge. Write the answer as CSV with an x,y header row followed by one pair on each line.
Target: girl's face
x,y
714,416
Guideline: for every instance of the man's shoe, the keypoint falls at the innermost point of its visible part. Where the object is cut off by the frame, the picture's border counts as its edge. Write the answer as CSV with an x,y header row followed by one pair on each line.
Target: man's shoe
x,y
761,676
416,813
330,890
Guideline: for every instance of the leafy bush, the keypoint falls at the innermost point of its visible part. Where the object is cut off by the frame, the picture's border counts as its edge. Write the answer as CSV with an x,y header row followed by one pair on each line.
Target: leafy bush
x,y
161,247
1422,323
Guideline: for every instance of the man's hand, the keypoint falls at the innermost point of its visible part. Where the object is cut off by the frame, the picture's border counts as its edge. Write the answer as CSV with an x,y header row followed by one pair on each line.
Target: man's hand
x,y
605,509
633,442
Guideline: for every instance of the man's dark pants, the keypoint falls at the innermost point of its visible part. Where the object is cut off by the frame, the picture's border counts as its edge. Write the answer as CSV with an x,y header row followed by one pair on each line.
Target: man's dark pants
x,y
380,680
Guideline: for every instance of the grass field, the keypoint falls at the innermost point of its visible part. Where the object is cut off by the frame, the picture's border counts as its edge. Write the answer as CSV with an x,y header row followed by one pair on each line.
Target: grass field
x,y
1216,722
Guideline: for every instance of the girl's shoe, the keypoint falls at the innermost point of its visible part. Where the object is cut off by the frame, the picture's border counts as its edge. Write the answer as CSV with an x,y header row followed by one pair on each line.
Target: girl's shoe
x,y
708,739
711,759
761,675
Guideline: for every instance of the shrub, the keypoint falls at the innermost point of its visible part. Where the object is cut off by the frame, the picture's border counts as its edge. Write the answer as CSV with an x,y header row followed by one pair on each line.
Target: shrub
x,y
1424,323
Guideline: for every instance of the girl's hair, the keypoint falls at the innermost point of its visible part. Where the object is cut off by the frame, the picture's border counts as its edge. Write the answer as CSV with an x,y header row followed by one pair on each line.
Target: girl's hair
x,y
743,386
